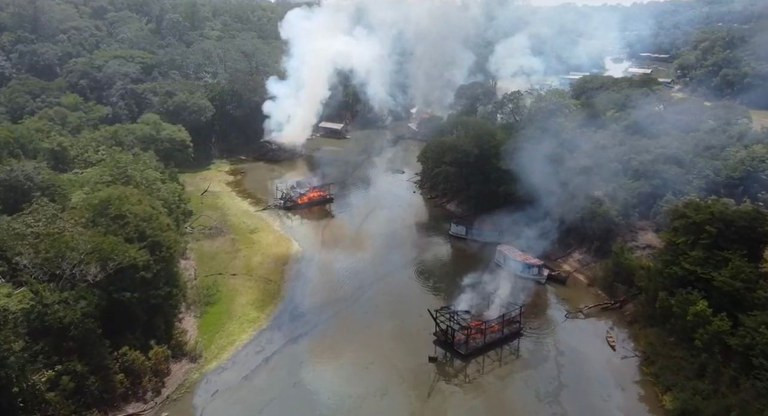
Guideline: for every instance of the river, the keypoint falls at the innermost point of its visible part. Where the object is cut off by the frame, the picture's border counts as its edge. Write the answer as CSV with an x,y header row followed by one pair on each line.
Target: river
x,y
352,334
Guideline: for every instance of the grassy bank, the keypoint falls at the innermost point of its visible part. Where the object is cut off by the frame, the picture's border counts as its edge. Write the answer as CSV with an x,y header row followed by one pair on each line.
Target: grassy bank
x,y
240,259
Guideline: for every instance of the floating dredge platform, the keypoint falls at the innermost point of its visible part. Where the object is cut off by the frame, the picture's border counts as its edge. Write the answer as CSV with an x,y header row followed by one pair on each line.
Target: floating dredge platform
x,y
459,332
298,196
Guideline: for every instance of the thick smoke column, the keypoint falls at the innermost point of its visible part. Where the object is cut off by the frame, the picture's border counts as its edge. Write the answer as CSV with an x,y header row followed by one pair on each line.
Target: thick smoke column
x,y
404,53
322,41
383,44
491,292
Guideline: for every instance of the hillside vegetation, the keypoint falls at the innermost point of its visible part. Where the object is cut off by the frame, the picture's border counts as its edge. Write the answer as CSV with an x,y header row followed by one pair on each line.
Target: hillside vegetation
x,y
101,102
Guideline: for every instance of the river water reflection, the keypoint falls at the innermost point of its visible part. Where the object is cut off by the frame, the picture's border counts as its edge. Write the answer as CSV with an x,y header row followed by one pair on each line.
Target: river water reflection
x,y
352,334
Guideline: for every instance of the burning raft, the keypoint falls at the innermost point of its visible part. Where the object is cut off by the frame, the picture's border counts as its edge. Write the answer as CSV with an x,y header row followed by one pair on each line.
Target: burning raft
x,y
457,331
300,196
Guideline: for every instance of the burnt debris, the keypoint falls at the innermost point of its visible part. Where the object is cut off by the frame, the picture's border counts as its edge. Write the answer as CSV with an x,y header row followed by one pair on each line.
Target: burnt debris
x,y
299,196
462,333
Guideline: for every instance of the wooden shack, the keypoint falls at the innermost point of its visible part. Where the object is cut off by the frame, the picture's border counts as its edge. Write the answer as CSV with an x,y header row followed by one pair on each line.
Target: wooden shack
x,y
331,130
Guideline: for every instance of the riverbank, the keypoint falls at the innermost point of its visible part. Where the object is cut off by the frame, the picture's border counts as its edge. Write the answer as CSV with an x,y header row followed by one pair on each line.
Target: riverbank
x,y
240,259
233,269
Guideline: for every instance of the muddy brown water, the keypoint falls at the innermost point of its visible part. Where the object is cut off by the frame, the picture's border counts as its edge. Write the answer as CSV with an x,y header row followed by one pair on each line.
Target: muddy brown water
x,y
352,334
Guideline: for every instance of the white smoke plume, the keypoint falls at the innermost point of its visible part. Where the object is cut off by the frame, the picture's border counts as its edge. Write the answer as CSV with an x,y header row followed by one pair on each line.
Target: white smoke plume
x,y
375,41
404,53
491,292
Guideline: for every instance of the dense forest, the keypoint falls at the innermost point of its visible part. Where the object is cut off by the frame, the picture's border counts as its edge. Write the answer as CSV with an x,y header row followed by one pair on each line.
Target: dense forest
x,y
609,154
198,64
100,103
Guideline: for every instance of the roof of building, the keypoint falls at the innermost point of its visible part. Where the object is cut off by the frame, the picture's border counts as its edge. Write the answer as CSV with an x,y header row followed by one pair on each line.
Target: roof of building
x,y
519,255
329,125
645,71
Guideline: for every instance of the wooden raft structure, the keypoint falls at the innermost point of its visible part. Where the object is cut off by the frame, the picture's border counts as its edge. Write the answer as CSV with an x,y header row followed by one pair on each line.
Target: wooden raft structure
x,y
458,332
299,196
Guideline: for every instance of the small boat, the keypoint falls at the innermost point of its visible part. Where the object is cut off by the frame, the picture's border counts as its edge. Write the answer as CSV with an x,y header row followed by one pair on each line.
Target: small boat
x,y
521,264
611,340
468,230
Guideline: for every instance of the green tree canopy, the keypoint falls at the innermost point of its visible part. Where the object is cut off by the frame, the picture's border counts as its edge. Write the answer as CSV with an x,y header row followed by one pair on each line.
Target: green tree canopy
x,y
465,161
23,182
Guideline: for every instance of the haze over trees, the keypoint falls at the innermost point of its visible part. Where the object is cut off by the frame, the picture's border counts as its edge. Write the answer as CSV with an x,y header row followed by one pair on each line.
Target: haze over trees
x,y
718,46
618,151
612,153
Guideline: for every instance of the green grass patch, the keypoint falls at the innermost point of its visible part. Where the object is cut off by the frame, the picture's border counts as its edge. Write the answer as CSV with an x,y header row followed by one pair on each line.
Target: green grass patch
x,y
240,258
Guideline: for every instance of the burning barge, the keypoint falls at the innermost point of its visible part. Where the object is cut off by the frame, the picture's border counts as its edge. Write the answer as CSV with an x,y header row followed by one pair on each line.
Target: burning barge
x,y
461,333
300,196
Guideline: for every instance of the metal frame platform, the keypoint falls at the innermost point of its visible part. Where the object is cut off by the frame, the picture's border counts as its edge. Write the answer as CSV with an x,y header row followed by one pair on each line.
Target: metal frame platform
x,y
458,332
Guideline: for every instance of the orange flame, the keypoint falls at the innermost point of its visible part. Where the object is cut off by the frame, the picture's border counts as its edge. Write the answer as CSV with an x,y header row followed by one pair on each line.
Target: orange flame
x,y
313,194
478,330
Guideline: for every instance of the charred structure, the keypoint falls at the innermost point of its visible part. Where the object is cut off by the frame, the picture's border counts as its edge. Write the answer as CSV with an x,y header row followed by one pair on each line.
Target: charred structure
x,y
462,333
299,196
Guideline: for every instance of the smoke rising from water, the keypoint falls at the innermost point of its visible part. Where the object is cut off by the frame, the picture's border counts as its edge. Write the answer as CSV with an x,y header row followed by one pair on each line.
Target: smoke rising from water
x,y
492,292
389,48
404,53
